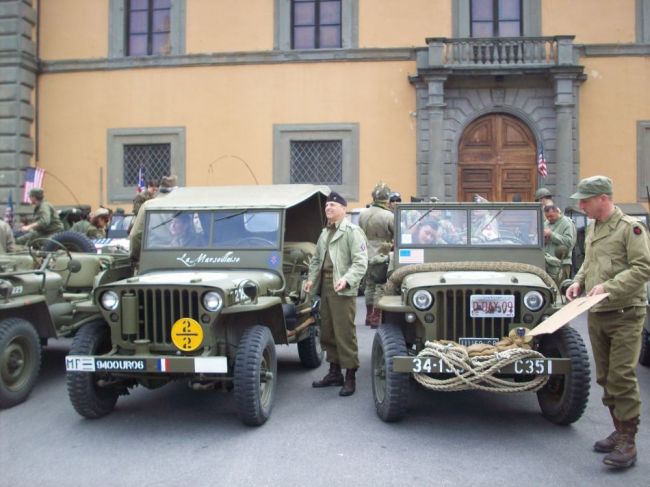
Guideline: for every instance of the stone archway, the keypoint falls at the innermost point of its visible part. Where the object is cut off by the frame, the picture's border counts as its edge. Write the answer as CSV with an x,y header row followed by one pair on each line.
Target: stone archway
x,y
497,159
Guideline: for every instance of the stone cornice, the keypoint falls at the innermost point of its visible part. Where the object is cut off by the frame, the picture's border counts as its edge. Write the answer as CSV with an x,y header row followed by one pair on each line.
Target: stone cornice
x,y
609,50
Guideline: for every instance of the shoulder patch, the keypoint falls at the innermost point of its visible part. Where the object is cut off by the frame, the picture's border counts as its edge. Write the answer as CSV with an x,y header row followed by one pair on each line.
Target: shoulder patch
x,y
637,230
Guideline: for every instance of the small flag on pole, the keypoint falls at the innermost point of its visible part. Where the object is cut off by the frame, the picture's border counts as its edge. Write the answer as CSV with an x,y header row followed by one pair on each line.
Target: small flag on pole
x,y
141,184
9,211
33,179
542,169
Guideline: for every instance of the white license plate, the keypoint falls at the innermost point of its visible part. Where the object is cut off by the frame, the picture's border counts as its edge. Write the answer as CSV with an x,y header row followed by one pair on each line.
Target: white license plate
x,y
491,306
469,341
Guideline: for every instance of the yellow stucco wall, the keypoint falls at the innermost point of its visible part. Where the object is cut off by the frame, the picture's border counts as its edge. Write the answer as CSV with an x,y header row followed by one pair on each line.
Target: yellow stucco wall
x,y
591,21
227,111
612,100
394,23
73,29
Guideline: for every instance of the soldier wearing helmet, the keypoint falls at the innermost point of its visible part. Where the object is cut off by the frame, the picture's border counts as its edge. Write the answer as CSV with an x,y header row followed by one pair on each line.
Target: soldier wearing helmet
x,y
544,196
45,221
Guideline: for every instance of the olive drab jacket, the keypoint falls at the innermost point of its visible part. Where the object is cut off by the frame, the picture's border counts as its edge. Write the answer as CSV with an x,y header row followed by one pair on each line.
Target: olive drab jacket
x,y
349,255
47,219
617,255
379,226
563,233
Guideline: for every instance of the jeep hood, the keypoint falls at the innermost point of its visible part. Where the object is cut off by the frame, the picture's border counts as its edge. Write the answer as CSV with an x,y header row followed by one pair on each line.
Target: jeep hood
x,y
221,279
472,279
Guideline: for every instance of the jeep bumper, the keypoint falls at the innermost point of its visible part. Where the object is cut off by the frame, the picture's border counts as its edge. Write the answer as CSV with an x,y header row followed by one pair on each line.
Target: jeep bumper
x,y
527,367
147,364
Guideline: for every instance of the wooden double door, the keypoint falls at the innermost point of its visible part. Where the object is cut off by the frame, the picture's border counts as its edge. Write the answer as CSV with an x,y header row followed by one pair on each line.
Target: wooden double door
x,y
497,159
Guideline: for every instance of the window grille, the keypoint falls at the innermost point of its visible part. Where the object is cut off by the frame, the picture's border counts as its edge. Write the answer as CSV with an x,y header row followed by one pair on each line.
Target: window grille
x,y
154,159
317,162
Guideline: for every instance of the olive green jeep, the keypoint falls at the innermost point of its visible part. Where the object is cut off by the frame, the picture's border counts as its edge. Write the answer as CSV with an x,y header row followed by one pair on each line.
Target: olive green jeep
x,y
466,276
45,294
220,281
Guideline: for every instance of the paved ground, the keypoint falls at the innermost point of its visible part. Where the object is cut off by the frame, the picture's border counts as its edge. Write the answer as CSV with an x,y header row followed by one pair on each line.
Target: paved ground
x,y
175,436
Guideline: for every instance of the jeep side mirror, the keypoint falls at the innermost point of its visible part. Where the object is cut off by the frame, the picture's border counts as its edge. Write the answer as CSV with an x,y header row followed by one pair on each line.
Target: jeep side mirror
x,y
74,266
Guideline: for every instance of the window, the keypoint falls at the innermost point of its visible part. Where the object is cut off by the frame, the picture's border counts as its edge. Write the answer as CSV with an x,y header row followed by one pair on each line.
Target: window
x,y
496,18
318,154
148,27
315,24
158,151
643,159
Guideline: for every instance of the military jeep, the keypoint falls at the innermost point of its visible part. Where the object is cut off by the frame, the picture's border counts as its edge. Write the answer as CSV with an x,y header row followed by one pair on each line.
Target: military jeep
x,y
220,281
469,274
44,294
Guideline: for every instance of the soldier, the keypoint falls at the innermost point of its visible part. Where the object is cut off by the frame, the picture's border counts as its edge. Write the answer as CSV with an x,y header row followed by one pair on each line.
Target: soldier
x,y
378,223
146,195
393,199
7,242
617,262
544,196
98,223
335,271
559,238
45,221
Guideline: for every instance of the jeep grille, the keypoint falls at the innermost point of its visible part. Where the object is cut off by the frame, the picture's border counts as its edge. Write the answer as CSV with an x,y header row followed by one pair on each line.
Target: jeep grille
x,y
159,309
454,321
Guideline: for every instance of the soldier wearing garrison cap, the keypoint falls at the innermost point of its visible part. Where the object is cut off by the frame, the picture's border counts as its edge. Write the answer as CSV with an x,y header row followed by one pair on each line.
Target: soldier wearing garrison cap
x,y
378,223
617,261
45,219
335,271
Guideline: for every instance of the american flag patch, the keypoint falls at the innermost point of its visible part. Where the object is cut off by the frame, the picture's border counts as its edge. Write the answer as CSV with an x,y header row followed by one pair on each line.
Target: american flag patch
x,y
411,256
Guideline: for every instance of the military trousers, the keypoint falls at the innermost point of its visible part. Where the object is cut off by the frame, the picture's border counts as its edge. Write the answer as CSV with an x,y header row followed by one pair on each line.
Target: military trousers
x,y
616,343
374,290
338,333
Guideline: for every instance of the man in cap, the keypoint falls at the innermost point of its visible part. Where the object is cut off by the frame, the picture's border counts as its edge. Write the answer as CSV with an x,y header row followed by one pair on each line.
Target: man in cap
x,y
617,261
335,271
378,223
559,239
146,195
393,199
45,220
544,196
99,223
167,185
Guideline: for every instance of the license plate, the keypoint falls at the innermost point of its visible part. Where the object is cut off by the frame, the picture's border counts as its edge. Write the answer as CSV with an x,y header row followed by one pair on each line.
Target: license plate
x,y
468,341
527,366
89,364
491,306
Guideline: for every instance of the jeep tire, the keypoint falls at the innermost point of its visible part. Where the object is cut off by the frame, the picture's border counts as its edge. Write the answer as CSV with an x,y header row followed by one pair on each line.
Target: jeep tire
x,y
73,241
564,397
87,398
310,350
255,375
20,360
390,389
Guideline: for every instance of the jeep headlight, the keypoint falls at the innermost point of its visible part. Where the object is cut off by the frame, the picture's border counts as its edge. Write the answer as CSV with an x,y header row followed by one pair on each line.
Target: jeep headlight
x,y
422,300
212,301
533,300
110,300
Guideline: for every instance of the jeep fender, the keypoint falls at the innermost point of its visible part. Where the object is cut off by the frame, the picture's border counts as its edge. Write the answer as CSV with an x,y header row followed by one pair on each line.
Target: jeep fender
x,y
36,313
266,311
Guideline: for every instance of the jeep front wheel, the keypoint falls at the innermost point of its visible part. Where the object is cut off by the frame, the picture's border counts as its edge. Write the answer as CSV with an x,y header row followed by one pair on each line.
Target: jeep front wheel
x,y
310,350
255,375
87,397
389,388
20,360
644,358
564,397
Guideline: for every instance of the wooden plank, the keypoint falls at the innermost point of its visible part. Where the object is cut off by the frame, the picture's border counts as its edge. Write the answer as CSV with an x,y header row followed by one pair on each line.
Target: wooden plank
x,y
566,314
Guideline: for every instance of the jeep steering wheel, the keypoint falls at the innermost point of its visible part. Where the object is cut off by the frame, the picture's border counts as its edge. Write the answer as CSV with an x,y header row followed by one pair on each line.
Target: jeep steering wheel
x,y
36,252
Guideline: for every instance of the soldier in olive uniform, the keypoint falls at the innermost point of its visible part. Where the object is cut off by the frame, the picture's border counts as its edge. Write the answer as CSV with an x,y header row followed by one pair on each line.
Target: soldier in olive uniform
x,y
378,223
335,271
617,261
98,223
559,238
45,221
544,196
7,242
146,195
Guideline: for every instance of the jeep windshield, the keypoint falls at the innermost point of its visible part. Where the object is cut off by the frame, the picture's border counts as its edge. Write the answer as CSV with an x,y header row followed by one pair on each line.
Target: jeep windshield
x,y
231,230
443,227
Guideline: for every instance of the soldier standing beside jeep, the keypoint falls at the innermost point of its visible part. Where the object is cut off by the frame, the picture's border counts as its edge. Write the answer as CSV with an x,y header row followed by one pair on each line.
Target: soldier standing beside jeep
x,y
559,238
335,271
617,261
378,223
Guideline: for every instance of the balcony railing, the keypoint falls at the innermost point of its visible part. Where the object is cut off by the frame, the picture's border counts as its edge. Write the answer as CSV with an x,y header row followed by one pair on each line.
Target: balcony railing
x,y
501,52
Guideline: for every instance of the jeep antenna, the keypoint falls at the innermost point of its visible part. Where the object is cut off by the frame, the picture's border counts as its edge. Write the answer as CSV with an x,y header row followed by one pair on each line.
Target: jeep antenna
x,y
211,166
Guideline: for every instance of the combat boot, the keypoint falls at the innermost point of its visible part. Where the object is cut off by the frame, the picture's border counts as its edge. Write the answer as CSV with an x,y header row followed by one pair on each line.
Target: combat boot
x,y
350,383
607,445
375,318
624,453
333,378
369,309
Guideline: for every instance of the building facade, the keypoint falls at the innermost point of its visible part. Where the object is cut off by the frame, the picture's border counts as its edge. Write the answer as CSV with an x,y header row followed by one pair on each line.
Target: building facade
x,y
446,98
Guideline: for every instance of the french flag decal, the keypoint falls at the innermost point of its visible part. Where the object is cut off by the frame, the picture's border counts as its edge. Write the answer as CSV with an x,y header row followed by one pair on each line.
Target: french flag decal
x,y
163,364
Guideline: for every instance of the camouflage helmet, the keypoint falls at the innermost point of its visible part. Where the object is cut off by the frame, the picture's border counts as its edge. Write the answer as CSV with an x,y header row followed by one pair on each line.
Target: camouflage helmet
x,y
381,192
542,193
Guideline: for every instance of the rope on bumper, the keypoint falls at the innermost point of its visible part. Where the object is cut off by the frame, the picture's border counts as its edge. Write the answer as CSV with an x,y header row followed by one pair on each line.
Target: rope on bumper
x,y
477,372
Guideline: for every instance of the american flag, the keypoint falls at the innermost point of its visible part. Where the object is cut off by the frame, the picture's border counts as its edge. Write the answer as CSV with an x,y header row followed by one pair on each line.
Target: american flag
x,y
33,179
9,211
542,169
141,184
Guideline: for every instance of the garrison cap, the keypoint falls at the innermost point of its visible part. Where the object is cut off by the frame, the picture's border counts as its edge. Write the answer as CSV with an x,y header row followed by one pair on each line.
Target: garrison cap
x,y
381,192
337,198
593,186
36,193
542,193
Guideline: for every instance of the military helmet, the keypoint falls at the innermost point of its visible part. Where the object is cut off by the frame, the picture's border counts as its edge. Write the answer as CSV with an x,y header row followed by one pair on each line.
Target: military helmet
x,y
381,192
542,193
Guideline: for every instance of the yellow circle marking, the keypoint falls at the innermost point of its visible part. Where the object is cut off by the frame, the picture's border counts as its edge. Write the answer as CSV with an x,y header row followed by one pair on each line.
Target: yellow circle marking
x,y
187,334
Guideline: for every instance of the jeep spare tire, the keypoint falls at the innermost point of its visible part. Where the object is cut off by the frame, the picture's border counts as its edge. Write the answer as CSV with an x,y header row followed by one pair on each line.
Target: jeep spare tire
x,y
73,241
